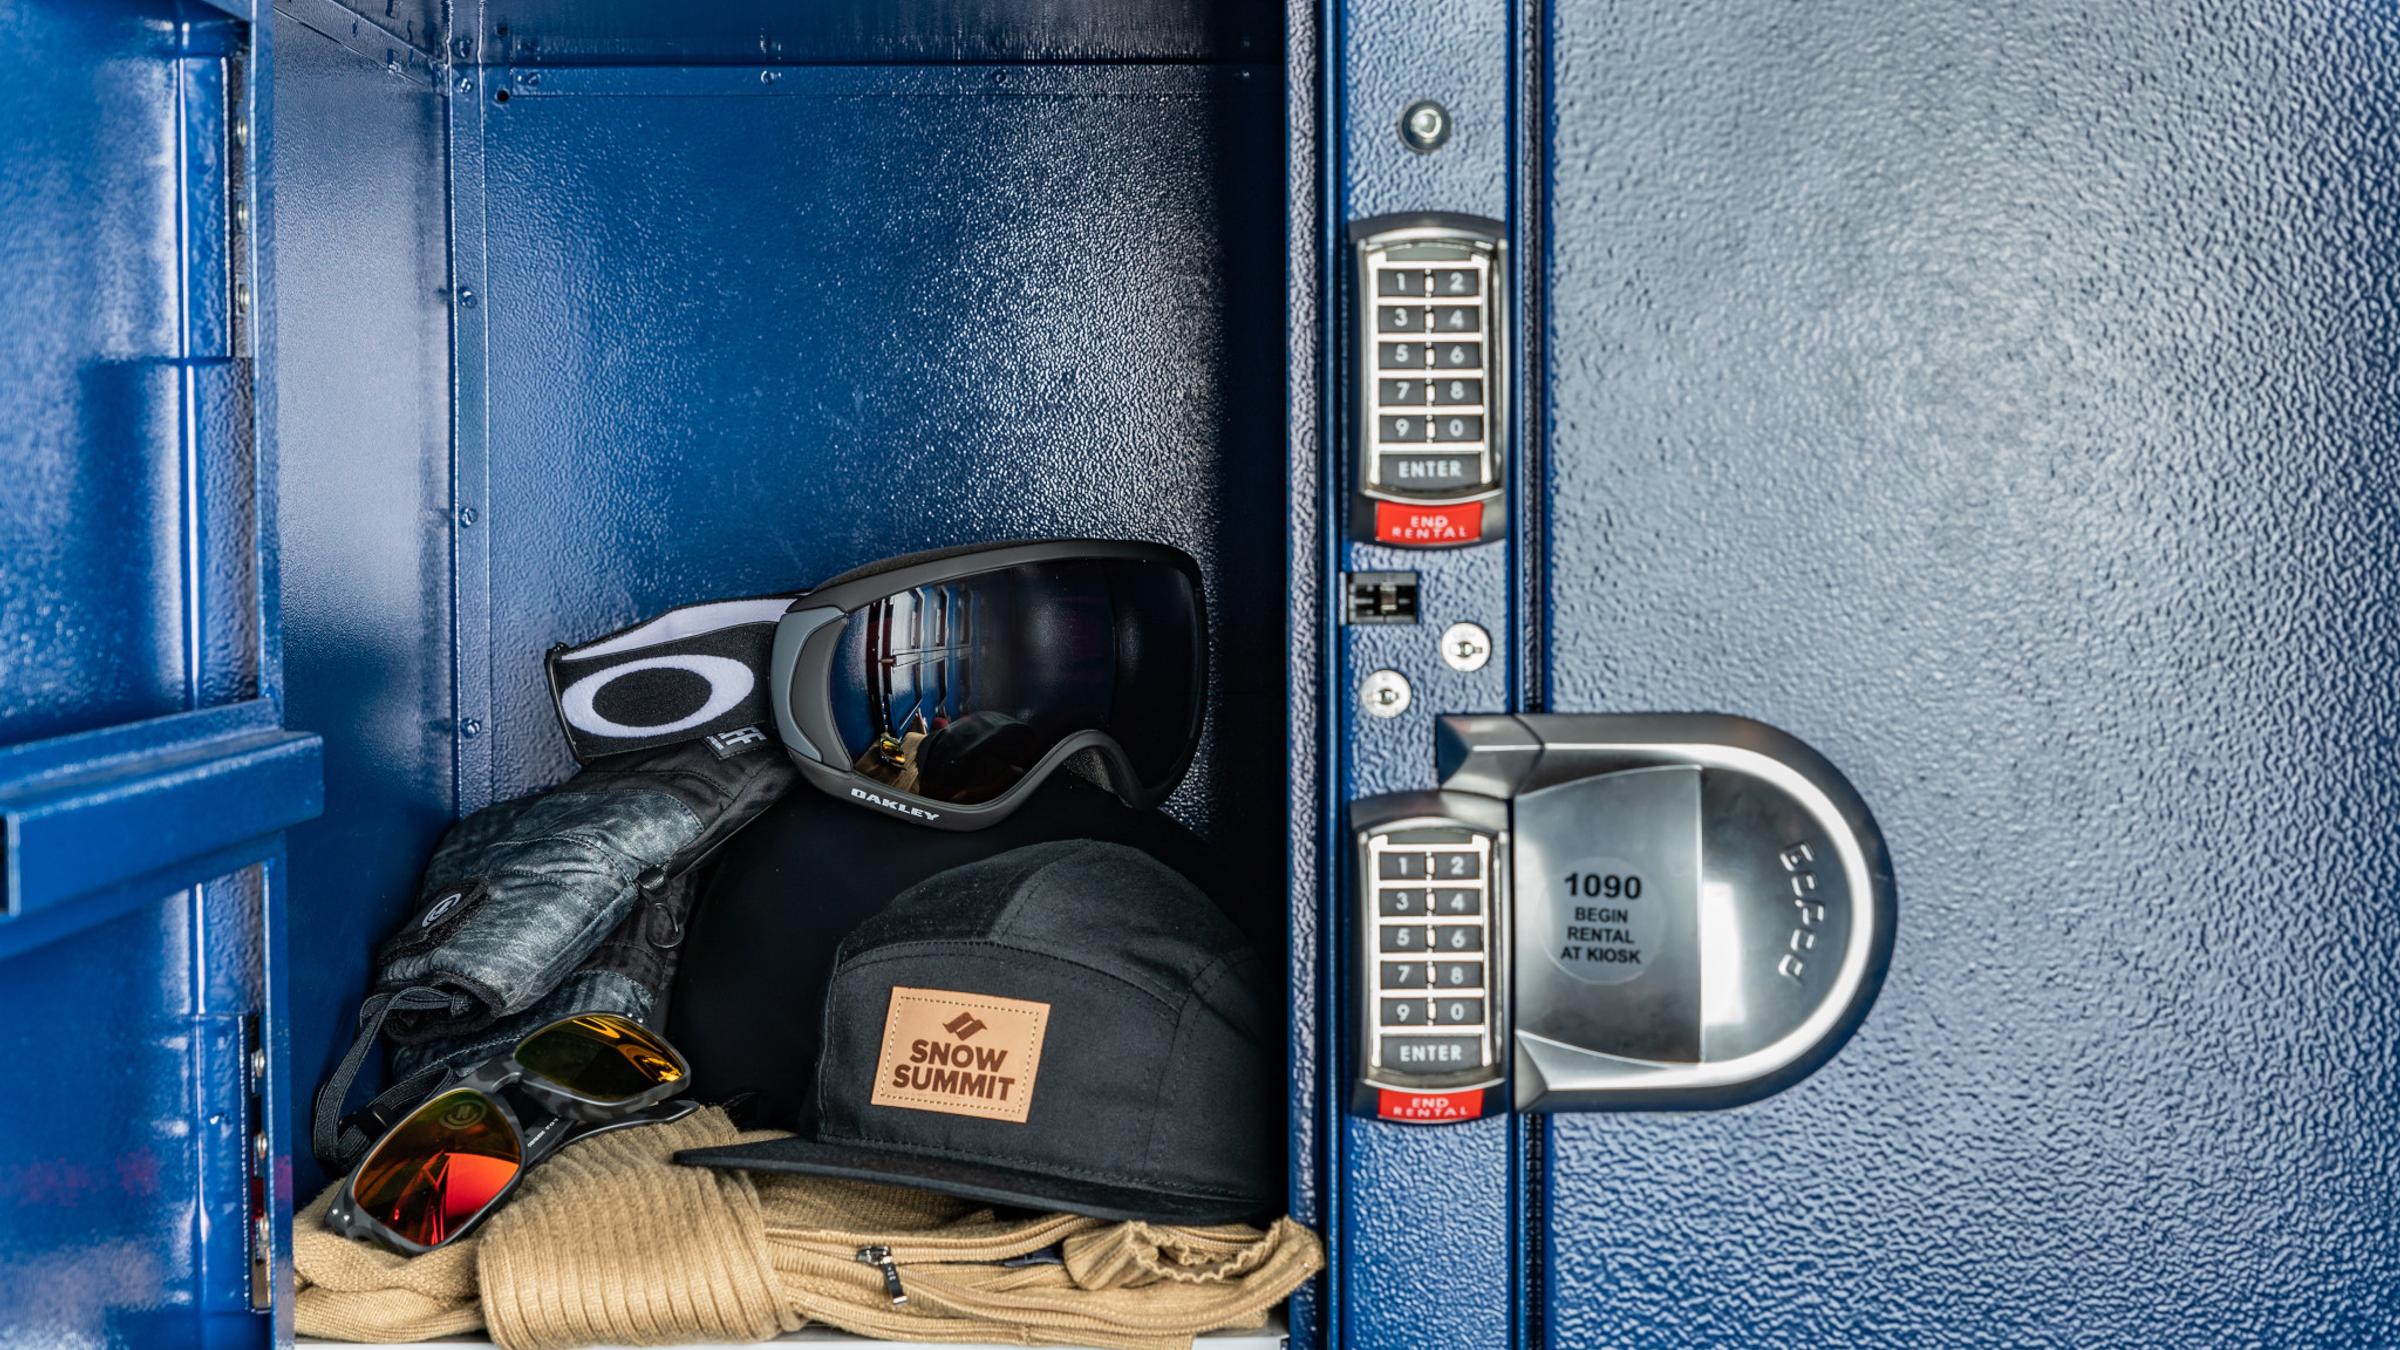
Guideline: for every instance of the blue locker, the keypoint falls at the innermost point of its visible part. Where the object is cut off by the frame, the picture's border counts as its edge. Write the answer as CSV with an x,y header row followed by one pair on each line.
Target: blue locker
x,y
1997,400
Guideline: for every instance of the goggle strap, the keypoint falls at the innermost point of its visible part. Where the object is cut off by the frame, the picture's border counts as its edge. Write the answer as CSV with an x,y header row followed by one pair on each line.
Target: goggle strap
x,y
726,644
338,1142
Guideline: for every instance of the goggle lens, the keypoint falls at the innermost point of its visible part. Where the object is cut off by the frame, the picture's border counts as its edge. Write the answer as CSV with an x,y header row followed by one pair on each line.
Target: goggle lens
x,y
955,691
439,1168
599,1057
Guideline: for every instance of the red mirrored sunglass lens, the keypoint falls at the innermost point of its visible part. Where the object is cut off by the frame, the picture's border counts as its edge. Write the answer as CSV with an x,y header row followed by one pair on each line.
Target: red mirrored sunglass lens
x,y
440,1167
599,1057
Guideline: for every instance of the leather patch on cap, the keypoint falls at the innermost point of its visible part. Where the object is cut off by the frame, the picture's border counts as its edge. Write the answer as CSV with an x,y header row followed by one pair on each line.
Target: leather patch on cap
x,y
962,1054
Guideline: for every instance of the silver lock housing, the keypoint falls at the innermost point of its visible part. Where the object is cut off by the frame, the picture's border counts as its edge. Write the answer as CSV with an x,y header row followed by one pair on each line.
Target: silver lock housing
x,y
1757,929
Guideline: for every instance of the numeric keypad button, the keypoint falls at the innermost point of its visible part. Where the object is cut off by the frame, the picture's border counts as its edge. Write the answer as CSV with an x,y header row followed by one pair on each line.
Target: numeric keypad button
x,y
1406,974
1459,937
1463,902
1457,1012
1458,974
1406,1012
1403,427
1432,1054
1458,356
1456,318
1405,393
1402,938
1395,281
1449,281
1399,319
1453,390
1457,427
1407,903
1400,355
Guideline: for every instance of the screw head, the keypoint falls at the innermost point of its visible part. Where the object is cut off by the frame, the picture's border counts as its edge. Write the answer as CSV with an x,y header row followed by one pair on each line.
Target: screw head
x,y
470,728
1384,694
1425,126
1465,646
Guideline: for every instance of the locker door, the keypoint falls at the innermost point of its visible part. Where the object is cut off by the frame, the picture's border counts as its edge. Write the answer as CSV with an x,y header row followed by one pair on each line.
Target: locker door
x,y
144,774
2001,400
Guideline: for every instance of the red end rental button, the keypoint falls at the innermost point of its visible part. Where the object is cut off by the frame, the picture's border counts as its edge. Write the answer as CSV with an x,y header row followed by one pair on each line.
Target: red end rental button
x,y
1428,1107
1399,523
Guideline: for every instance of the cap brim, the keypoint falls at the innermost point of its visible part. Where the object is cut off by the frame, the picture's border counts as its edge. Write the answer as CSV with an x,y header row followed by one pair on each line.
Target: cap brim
x,y
974,1181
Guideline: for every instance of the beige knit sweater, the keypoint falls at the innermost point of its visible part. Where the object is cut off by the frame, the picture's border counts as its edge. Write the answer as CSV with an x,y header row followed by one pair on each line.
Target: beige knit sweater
x,y
612,1243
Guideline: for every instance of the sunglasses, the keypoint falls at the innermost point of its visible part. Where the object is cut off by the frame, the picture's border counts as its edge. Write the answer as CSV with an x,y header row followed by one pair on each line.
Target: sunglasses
x,y
940,687
447,1165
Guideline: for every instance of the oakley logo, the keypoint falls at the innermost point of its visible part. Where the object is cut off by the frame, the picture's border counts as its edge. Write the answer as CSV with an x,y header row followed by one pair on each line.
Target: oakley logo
x,y
889,805
440,909
964,1026
729,682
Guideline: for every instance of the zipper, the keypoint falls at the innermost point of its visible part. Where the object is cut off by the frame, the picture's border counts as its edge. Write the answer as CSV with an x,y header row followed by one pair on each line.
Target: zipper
x,y
881,1256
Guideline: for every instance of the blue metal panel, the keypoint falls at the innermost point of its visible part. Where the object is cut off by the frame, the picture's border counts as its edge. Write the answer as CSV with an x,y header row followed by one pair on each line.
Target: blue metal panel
x,y
2001,399
134,589
1313,737
1409,1200
190,786
751,32
745,334
363,419
91,621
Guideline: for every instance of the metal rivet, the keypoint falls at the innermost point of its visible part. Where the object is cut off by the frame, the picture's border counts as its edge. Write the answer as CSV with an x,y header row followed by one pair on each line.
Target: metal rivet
x,y
466,84
258,1066
241,132
470,728
241,298
466,516
1384,694
1465,646
466,297
1425,126
258,1148
768,77
241,215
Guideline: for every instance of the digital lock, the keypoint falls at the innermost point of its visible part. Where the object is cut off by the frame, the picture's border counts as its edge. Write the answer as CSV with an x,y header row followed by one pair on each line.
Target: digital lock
x,y
1683,911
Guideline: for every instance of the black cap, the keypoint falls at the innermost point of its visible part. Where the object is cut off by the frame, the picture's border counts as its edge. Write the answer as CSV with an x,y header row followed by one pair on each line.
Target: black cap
x,y
1065,1026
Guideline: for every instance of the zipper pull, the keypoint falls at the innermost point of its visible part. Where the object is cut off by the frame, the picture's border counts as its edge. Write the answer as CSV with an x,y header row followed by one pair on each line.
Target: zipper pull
x,y
882,1256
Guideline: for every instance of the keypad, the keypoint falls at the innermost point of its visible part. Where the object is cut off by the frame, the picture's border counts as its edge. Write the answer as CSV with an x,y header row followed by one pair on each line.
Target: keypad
x,y
1432,917
1432,316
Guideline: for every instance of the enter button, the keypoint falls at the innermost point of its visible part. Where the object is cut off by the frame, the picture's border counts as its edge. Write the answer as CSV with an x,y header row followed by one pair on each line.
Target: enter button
x,y
1431,473
1432,1054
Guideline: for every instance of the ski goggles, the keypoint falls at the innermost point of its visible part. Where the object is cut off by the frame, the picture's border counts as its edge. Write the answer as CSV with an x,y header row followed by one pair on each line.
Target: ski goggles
x,y
448,1164
942,687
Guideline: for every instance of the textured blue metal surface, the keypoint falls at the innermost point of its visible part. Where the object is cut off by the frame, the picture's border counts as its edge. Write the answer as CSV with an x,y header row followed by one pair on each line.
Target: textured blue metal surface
x,y
91,619
1312,737
134,588
917,322
2001,400
1409,1200
749,32
190,787
363,422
